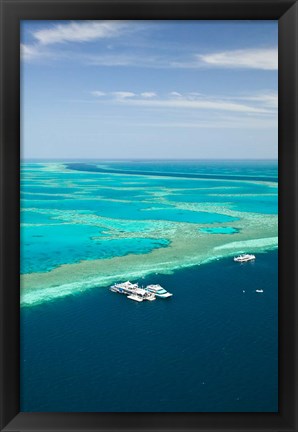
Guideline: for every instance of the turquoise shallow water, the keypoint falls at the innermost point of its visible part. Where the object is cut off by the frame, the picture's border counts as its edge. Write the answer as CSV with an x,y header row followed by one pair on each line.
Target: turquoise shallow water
x,y
212,347
132,198
133,211
45,247
260,203
31,217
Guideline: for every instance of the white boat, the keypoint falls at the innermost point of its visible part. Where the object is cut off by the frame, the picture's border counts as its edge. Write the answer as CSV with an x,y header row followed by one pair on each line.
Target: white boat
x,y
133,291
144,294
124,288
244,258
158,291
259,290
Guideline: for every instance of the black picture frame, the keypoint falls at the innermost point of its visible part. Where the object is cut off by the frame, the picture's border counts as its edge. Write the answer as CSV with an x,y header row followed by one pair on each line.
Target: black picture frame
x,y
286,12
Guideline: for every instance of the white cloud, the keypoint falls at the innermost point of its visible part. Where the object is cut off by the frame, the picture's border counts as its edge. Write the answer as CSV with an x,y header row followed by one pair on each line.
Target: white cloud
x,y
98,93
76,31
79,31
176,94
123,94
148,94
265,103
29,52
266,59
207,104
269,100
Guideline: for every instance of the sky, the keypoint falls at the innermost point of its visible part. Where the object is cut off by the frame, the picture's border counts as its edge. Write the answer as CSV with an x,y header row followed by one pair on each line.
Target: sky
x,y
149,89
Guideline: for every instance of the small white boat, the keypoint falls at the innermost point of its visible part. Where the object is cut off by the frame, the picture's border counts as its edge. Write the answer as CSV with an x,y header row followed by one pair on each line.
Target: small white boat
x,y
158,291
244,258
259,290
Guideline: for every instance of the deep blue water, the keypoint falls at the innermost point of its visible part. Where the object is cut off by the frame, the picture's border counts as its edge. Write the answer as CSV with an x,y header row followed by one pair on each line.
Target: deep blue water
x,y
211,347
242,170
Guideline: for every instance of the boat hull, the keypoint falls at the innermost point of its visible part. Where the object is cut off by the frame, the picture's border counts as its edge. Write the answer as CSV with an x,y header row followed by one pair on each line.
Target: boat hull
x,y
135,298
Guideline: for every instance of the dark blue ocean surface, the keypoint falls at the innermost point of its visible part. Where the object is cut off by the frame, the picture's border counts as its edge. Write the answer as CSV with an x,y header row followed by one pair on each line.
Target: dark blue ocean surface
x,y
211,347
265,170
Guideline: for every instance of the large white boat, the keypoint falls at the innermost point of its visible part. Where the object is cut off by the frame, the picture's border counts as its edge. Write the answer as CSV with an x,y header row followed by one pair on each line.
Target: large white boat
x,y
158,291
124,287
244,258
133,291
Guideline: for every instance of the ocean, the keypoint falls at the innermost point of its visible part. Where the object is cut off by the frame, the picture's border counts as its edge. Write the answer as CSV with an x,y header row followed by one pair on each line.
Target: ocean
x,y
212,347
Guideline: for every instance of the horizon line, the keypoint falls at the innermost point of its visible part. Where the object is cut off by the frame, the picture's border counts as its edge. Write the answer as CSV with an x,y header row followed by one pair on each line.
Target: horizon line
x,y
149,159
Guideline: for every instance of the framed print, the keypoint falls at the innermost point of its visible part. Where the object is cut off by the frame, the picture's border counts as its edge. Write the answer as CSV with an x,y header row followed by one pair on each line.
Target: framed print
x,y
148,218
